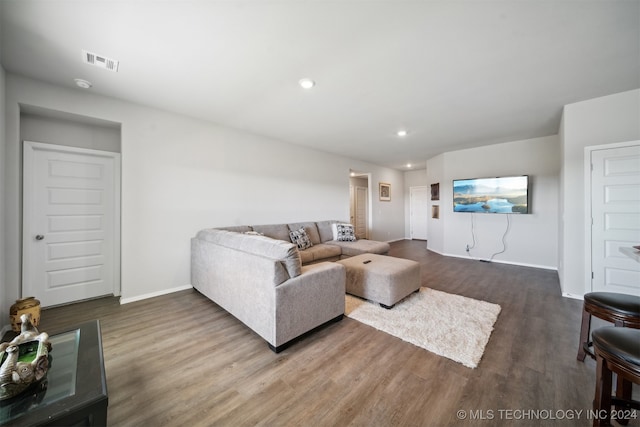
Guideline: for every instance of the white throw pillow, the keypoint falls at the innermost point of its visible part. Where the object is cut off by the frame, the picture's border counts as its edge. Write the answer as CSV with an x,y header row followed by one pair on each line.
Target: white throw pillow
x,y
343,232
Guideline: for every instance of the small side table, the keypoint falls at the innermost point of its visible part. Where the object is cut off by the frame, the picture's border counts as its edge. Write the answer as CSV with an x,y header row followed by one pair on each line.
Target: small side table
x,y
76,385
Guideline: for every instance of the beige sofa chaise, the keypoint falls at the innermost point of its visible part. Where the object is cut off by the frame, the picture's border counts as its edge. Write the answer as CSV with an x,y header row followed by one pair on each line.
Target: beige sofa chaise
x,y
264,281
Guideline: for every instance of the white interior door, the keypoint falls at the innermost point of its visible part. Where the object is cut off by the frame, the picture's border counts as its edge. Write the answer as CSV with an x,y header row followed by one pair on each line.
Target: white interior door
x,y
360,208
70,223
615,210
419,207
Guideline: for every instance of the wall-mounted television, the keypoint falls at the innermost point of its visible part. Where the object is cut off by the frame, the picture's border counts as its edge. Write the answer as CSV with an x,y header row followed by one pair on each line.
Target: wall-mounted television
x,y
508,194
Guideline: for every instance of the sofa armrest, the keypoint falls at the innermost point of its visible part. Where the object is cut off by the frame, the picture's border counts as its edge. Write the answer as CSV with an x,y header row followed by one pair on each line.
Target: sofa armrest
x,y
309,300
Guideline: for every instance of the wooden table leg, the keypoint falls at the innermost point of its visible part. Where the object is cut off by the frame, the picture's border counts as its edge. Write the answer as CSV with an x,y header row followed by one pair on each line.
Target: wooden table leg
x,y
602,399
584,334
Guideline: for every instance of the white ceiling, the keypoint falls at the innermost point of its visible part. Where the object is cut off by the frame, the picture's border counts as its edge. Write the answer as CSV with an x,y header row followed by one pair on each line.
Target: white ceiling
x,y
455,74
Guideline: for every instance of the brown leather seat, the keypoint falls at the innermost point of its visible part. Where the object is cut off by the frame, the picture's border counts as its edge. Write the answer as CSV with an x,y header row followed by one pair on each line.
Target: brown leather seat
x,y
617,350
619,309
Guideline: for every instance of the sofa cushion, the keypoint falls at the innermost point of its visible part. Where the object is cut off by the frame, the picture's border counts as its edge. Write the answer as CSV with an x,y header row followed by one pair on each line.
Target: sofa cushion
x,y
306,256
360,247
275,231
299,238
325,231
285,252
321,252
343,232
310,228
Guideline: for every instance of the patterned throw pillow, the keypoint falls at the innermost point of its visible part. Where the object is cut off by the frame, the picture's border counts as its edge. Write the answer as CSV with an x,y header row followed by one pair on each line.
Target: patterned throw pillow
x,y
345,233
299,238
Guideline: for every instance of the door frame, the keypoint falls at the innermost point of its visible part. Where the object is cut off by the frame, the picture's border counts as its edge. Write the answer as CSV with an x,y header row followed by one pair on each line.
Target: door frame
x,y
370,197
29,149
588,229
366,208
411,202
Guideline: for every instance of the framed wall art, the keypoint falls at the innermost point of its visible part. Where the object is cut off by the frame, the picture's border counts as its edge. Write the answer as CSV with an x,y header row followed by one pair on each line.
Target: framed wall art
x,y
385,191
435,191
435,212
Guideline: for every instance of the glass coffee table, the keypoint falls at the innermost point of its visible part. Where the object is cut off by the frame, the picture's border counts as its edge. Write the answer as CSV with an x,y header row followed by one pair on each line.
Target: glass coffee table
x,y
74,392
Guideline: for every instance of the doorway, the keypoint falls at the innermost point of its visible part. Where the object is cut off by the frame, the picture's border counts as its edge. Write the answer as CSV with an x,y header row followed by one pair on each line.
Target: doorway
x,y
359,206
71,223
419,212
613,217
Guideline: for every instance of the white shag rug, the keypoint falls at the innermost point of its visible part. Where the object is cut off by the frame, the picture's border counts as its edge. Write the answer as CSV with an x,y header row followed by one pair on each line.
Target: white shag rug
x,y
448,325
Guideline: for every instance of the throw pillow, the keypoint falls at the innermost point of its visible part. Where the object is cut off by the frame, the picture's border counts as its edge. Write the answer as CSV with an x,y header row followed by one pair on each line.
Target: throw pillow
x,y
300,239
344,233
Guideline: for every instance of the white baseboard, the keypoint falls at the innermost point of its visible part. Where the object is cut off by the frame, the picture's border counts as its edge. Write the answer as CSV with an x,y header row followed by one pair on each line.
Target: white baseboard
x,y
574,296
438,252
521,264
564,294
397,240
155,294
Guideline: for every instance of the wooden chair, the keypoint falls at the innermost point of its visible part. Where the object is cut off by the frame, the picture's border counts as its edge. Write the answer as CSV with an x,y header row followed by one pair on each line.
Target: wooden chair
x,y
619,309
617,350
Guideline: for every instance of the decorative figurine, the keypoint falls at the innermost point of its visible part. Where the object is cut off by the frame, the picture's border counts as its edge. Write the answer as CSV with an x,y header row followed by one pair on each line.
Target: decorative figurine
x,y
24,360
24,306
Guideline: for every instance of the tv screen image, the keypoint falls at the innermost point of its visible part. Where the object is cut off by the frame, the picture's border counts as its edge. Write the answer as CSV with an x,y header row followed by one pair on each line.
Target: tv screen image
x,y
492,195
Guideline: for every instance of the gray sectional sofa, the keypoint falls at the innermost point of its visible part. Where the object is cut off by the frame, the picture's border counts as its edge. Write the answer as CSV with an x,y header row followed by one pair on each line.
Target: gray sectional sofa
x,y
261,278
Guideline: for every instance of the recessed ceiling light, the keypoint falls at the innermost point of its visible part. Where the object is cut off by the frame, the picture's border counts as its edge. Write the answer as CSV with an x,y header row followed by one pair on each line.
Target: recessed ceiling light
x,y
402,132
84,84
409,165
307,83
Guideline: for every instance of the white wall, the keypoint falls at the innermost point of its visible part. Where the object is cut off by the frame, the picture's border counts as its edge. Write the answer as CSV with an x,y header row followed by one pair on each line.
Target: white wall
x,y
5,302
66,131
416,178
605,120
435,227
531,239
180,174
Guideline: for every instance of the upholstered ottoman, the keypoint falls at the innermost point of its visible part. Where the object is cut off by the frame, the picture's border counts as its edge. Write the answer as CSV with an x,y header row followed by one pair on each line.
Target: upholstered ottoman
x,y
383,279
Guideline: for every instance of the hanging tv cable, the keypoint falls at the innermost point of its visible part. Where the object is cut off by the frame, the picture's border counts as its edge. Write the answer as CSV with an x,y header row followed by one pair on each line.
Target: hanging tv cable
x,y
504,236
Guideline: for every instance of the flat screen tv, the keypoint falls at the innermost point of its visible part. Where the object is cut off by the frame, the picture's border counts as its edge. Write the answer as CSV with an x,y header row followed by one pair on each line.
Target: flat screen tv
x,y
509,194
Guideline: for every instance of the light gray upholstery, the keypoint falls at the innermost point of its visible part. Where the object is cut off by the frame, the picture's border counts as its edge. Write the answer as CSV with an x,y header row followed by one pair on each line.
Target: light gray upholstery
x,y
321,252
361,246
348,249
260,281
267,283
275,231
325,231
384,279
236,228
321,235
283,252
309,300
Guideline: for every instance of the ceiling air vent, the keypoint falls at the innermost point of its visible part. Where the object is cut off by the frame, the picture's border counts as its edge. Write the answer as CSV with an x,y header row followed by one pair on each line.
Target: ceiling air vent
x,y
100,61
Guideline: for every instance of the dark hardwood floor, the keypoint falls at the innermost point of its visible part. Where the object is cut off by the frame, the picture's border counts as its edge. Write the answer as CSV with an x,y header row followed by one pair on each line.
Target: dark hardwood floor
x,y
180,360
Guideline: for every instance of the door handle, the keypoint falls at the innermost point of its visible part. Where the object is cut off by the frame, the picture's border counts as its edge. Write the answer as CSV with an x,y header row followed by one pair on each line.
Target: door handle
x,y
39,237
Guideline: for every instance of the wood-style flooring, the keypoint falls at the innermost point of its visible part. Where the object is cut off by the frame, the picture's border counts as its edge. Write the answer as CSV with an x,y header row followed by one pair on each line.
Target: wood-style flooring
x,y
180,360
